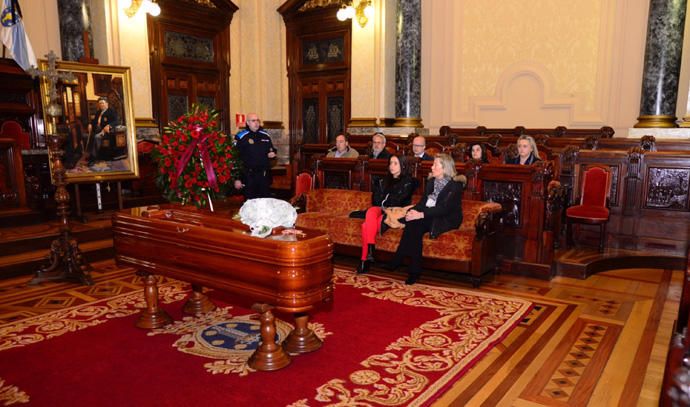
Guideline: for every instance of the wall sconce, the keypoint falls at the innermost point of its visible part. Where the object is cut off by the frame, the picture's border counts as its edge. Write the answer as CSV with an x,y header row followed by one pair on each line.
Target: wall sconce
x,y
363,12
131,7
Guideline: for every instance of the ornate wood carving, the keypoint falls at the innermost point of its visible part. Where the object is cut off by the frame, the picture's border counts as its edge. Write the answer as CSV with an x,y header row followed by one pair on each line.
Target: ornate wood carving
x,y
458,152
541,139
510,151
560,131
508,195
648,143
667,188
492,143
633,180
555,202
592,142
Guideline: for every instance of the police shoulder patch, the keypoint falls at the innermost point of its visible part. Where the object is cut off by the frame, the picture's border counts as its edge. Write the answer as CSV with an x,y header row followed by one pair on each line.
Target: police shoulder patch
x,y
241,134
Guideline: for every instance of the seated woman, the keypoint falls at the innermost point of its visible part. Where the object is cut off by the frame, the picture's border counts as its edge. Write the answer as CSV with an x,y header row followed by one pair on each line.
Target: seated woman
x,y
395,189
478,153
439,211
527,151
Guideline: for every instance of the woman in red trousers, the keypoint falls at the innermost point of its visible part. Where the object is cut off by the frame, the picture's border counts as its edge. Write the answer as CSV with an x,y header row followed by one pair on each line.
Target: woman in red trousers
x,y
395,189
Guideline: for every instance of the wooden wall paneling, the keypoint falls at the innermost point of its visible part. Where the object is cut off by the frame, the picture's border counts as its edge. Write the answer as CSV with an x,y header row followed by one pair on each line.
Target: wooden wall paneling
x,y
202,51
339,173
664,212
528,242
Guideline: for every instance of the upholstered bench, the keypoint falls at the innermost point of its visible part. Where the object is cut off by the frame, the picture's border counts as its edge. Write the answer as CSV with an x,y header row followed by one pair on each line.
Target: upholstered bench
x,y
468,250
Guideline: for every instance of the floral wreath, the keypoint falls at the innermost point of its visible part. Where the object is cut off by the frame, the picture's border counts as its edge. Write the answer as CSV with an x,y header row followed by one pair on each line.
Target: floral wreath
x,y
196,162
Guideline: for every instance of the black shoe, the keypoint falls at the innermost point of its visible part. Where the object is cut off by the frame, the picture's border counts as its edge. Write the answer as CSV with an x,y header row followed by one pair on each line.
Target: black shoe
x,y
370,252
363,267
411,279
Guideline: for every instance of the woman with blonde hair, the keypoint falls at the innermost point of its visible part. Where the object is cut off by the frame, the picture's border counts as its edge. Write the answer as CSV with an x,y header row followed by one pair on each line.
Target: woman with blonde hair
x,y
527,151
439,211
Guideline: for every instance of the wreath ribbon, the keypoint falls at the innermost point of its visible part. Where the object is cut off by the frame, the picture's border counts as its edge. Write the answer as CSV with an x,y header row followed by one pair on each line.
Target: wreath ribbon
x,y
199,141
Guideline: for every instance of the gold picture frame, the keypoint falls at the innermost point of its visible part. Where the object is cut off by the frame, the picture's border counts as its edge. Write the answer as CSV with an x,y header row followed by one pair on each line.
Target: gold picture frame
x,y
93,153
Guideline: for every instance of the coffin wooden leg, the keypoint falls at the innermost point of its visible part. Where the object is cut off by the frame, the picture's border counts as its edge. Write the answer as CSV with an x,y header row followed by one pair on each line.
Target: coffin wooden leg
x,y
301,339
269,355
198,303
152,316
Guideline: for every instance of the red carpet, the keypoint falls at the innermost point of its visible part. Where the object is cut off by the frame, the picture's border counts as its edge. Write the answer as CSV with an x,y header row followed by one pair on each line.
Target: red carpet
x,y
384,344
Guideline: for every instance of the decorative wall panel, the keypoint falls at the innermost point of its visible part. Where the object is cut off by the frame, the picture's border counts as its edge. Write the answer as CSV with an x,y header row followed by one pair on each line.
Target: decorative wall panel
x,y
185,46
177,106
336,117
508,195
667,188
310,120
325,51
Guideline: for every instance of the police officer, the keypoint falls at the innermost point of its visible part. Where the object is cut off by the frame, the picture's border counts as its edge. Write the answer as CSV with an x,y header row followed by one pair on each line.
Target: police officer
x,y
256,150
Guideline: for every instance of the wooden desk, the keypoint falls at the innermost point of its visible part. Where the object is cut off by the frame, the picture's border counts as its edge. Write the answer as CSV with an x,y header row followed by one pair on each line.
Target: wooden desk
x,y
287,272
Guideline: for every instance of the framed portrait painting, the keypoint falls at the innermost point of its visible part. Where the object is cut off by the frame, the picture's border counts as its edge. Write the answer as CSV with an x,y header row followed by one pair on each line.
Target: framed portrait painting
x,y
96,116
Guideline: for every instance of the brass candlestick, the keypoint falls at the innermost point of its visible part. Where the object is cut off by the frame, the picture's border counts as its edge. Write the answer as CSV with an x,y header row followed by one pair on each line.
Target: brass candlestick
x,y
67,262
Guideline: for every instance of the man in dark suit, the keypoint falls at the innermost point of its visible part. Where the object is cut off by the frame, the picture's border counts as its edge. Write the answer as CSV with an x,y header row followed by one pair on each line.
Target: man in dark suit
x,y
102,133
378,147
418,147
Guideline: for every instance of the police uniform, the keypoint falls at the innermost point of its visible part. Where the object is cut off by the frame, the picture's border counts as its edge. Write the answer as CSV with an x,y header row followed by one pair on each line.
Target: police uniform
x,y
254,147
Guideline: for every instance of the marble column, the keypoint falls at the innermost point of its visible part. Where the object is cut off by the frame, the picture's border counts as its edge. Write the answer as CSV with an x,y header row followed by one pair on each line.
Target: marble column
x,y
662,63
75,25
408,64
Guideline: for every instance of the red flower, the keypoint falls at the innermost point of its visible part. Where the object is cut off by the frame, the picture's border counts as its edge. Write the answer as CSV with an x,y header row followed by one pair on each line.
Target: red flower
x,y
187,181
196,131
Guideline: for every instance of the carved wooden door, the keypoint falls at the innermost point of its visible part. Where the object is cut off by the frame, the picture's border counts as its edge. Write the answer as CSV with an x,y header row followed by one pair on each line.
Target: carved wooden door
x,y
182,89
318,51
323,107
190,61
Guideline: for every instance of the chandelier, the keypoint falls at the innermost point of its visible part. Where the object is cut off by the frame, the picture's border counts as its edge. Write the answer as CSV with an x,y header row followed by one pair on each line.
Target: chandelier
x,y
362,12
131,7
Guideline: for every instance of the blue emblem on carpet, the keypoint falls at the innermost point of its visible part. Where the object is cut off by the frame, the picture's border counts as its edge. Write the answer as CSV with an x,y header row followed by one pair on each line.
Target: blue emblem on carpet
x,y
233,335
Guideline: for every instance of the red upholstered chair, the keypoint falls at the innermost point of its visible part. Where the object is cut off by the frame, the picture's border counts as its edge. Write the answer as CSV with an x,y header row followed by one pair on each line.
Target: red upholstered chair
x,y
304,183
13,129
593,208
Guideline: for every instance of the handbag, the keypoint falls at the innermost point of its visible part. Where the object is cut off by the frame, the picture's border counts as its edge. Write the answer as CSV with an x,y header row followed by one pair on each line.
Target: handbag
x,y
394,214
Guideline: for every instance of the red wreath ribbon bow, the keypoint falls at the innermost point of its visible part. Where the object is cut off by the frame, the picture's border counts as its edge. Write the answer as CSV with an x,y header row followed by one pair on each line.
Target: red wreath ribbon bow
x,y
198,140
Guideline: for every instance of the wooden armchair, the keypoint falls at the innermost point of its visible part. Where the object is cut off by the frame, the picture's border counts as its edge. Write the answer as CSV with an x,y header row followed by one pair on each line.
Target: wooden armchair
x,y
593,208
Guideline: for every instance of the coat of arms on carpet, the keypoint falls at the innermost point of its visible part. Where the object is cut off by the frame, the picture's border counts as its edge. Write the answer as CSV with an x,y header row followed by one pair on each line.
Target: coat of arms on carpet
x,y
230,340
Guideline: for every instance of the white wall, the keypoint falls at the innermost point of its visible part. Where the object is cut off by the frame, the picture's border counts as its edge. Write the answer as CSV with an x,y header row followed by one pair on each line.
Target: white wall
x,y
542,63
